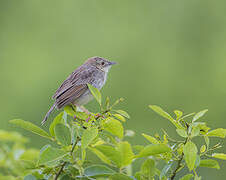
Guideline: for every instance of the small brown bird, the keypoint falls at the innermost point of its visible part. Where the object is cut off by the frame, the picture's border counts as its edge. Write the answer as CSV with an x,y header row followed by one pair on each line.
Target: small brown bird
x,y
74,90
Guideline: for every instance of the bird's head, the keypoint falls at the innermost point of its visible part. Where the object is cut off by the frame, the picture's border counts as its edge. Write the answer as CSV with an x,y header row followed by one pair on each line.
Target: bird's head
x,y
100,63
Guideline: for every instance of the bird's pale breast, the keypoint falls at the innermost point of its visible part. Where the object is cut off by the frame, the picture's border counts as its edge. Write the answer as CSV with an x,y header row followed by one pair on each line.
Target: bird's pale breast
x,y
98,80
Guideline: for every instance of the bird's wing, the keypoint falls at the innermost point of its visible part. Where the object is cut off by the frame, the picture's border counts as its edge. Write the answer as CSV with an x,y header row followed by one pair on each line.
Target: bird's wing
x,y
74,86
70,95
67,83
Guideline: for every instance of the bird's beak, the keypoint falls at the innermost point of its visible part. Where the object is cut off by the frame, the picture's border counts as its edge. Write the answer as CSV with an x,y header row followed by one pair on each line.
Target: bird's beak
x,y
112,63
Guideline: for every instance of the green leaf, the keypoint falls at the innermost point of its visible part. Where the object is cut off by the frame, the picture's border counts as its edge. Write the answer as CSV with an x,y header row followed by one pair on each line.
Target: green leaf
x,y
210,163
148,168
198,178
138,148
219,156
197,161
202,126
98,170
139,176
180,148
126,153
117,102
123,113
119,176
164,114
30,177
100,155
195,131
114,127
161,112
207,141
119,117
96,93
63,134
83,155
81,115
121,155
30,155
6,136
58,119
88,136
190,153
50,155
182,133
107,103
154,149
187,177
165,170
220,132
72,169
31,127
27,164
66,177
199,115
111,153
203,149
70,110
178,113
151,139
186,116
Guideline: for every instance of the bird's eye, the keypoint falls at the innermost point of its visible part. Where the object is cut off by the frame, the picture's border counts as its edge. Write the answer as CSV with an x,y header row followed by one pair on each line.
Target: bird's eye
x,y
102,63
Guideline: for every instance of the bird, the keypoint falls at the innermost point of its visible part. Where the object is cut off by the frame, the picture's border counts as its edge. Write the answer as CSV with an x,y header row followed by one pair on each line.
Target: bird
x,y
74,90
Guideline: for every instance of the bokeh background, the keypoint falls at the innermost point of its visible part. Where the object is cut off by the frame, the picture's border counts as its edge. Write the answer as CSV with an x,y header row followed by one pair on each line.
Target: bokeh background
x,y
169,53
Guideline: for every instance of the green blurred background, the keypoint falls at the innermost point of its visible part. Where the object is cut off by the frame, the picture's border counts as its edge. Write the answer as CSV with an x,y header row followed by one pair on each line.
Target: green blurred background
x,y
169,53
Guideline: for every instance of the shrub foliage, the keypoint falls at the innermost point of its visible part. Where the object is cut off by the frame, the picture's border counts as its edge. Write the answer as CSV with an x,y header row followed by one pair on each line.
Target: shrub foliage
x,y
76,136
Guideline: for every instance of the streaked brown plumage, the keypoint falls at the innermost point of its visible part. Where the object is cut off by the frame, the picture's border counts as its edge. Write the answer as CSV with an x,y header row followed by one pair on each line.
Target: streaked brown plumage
x,y
74,90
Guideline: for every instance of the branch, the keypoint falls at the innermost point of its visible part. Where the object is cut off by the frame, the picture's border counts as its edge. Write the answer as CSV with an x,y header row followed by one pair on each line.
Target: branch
x,y
179,163
60,171
63,165
178,167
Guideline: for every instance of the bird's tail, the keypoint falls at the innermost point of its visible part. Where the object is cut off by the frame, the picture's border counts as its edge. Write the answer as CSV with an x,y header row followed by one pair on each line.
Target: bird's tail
x,y
47,114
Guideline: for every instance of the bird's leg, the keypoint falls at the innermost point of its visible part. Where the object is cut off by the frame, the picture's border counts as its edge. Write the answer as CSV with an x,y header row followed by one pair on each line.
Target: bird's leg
x,y
83,109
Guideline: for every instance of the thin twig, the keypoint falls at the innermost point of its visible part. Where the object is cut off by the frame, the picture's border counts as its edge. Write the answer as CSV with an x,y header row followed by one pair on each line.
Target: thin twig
x,y
63,165
178,167
60,171
179,163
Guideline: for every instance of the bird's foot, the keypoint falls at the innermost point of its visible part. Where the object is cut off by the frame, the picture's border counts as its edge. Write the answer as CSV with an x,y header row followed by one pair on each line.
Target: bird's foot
x,y
84,109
